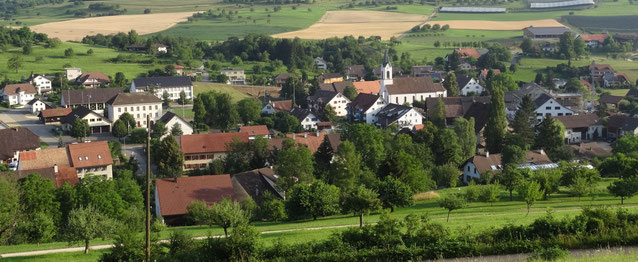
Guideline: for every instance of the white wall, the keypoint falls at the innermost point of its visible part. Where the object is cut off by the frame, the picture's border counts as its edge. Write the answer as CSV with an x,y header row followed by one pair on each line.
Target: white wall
x,y
401,99
42,84
173,92
470,172
340,105
186,128
310,122
371,114
37,107
138,111
410,119
552,108
472,86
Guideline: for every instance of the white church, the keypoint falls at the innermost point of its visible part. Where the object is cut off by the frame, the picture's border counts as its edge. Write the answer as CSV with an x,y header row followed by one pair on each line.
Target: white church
x,y
406,90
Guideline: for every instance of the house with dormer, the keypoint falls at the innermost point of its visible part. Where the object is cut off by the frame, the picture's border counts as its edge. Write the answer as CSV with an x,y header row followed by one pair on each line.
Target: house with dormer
x,y
583,127
307,119
321,99
400,115
273,107
93,80
41,83
18,94
478,165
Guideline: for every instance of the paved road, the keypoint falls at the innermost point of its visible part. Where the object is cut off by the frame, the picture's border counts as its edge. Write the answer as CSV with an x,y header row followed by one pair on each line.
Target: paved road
x,y
23,118
139,152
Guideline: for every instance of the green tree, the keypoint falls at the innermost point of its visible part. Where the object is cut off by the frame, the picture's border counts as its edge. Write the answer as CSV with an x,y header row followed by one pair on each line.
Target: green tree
x,y
551,137
451,85
119,129
407,168
166,99
176,130
539,78
513,155
200,111
69,52
368,141
198,213
10,213
548,179
530,192
350,92
345,169
287,123
293,163
580,187
503,81
490,193
438,116
527,46
272,208
446,175
362,201
394,193
624,188
15,63
294,89
128,119
182,98
328,114
243,242
80,129
226,214
525,119
27,49
510,178
452,202
496,122
249,110
37,195
39,228
465,132
158,130
170,158
448,150
86,224
579,47
566,45
226,116
101,194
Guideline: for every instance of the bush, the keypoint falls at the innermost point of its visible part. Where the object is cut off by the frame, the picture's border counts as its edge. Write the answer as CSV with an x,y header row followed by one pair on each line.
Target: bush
x,y
138,136
548,254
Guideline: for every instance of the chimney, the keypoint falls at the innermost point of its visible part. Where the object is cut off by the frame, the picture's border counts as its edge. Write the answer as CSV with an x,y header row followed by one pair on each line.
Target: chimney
x,y
487,154
305,135
55,168
542,151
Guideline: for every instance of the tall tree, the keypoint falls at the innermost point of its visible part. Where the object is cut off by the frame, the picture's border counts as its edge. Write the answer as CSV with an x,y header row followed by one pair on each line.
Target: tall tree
x,y
88,223
394,193
451,85
362,201
368,142
525,119
37,195
438,116
294,89
166,99
249,110
158,130
119,129
128,119
447,149
510,178
566,45
293,163
350,92
464,130
551,137
176,130
80,129
548,179
200,111
346,167
170,158
10,212
226,115
15,63
496,122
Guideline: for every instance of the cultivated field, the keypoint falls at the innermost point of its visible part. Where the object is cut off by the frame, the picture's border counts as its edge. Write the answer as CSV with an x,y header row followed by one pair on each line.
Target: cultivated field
x,y
496,25
75,30
356,23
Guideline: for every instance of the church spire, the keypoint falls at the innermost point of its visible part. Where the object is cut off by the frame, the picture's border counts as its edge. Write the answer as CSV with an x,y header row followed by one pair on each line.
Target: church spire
x,y
386,59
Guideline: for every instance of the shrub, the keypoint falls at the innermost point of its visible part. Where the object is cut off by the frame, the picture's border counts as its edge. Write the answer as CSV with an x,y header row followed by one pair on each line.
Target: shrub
x,y
548,254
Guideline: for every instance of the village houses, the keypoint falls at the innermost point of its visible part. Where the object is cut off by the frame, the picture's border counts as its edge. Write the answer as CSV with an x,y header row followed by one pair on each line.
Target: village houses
x,y
173,85
139,105
18,94
201,149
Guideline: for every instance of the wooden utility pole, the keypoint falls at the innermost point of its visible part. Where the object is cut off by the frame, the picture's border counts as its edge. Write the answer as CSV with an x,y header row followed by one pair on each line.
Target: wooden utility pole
x,y
148,188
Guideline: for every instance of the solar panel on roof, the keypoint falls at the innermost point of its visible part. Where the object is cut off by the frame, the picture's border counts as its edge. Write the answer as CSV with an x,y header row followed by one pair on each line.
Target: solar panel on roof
x,y
561,4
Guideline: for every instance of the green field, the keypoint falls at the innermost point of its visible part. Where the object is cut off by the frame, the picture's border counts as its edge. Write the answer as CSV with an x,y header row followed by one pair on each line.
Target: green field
x,y
529,66
222,88
53,61
428,39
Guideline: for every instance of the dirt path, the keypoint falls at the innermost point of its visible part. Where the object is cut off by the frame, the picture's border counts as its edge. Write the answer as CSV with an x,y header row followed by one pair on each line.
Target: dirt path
x,y
76,29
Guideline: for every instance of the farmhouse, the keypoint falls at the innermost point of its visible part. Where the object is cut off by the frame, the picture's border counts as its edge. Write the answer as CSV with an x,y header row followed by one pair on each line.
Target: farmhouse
x,y
280,79
321,64
367,87
255,131
400,115
544,32
18,94
407,89
598,70
322,99
257,182
171,119
201,149
36,105
614,80
273,107
94,98
80,159
53,115
40,82
173,195
581,127
621,125
612,102
139,105
590,150
355,72
173,85
16,140
97,123
235,76
593,40
93,79
307,119
478,165
364,108
546,106
469,85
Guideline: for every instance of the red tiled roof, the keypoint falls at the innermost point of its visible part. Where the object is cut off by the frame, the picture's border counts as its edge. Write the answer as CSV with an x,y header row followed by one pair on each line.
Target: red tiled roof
x,y
585,83
484,72
209,143
367,87
15,88
255,130
90,154
282,105
467,52
311,140
178,67
601,67
594,37
55,112
175,194
101,77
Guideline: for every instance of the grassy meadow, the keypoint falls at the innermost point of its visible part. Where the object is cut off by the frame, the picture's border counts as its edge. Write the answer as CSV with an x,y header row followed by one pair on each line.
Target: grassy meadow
x,y
52,60
528,67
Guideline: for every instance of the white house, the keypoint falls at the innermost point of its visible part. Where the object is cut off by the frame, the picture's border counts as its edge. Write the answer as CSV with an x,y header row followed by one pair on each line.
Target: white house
x,y
36,105
42,83
307,119
173,85
365,107
400,115
273,107
321,64
72,73
19,94
407,89
546,106
97,123
235,76
478,165
336,100
139,105
581,127
469,85
171,119
92,98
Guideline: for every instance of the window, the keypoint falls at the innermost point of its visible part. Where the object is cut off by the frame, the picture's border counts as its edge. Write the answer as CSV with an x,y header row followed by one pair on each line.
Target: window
x,y
138,115
143,107
196,157
560,114
557,107
187,158
99,156
475,170
468,168
548,108
155,107
202,165
119,110
209,156
132,109
202,157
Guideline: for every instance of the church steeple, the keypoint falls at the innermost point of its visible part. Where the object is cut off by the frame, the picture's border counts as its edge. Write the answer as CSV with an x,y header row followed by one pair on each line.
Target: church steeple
x,y
386,76
386,59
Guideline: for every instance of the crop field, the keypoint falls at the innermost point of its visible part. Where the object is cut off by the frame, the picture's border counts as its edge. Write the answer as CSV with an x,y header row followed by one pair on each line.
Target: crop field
x,y
51,60
496,25
76,29
460,35
358,23
604,23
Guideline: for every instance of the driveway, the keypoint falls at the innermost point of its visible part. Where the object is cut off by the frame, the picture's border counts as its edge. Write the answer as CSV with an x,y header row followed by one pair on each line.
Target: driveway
x,y
23,118
139,152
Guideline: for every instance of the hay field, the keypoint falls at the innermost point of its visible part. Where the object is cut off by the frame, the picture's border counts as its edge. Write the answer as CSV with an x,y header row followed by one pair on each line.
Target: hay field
x,y
496,25
358,23
75,30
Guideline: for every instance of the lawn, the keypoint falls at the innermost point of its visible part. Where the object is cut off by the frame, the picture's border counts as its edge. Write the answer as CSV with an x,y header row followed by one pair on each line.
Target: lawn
x,y
529,66
420,52
92,256
201,87
617,92
185,113
52,60
460,35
